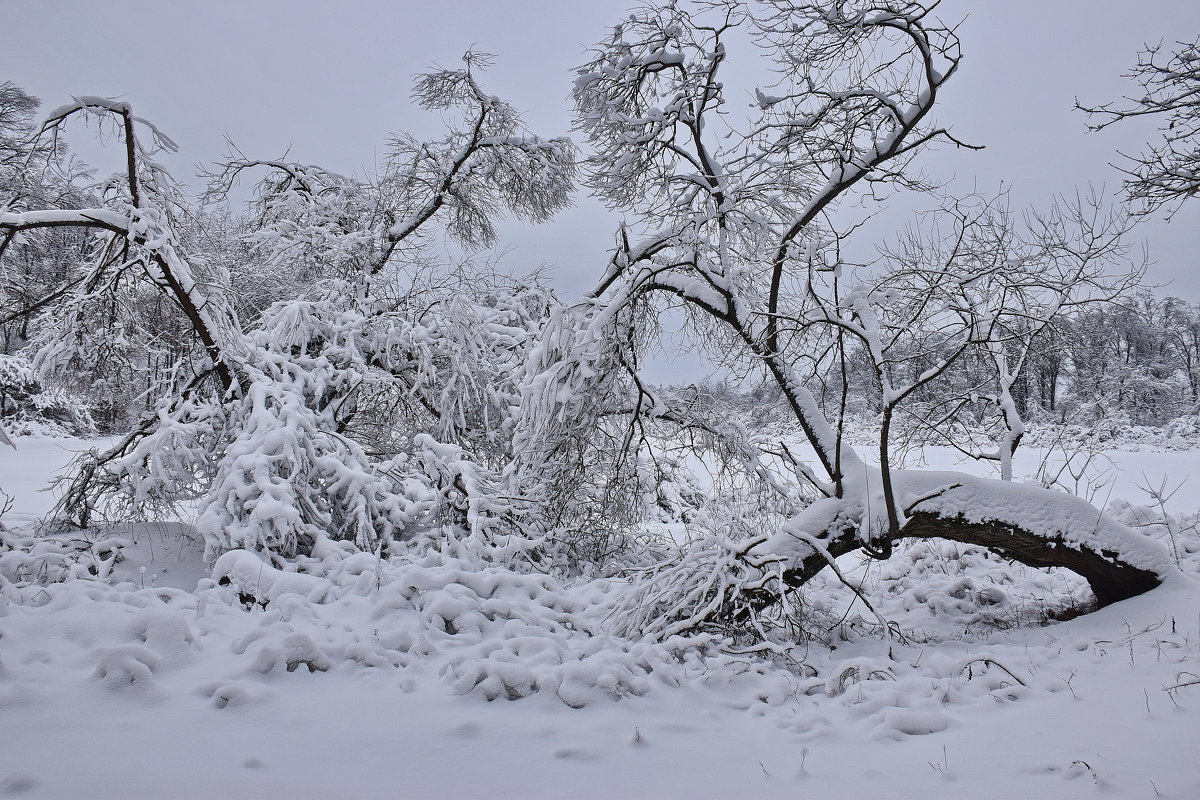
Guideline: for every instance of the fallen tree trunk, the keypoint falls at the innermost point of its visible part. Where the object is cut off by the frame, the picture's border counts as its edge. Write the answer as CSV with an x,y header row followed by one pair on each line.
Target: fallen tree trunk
x,y
1028,524
1110,578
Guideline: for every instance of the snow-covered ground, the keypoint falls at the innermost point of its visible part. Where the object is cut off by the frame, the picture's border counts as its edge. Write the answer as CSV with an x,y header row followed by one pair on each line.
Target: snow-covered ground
x,y
142,689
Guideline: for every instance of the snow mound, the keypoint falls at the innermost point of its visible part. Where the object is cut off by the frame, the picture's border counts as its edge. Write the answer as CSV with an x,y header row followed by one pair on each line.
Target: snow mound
x,y
488,631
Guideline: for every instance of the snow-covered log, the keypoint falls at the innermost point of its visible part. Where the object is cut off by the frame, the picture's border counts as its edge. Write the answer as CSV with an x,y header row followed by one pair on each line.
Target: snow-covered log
x,y
1022,522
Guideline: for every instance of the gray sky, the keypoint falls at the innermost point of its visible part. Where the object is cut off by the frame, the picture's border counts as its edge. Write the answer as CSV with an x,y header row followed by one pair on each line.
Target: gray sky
x,y
330,80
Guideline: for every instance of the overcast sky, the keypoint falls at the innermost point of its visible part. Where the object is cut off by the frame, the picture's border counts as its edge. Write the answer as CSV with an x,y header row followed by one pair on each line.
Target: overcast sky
x,y
330,80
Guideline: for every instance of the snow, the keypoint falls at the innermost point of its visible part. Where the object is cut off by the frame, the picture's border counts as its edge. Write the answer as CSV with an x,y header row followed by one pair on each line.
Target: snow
x,y
87,216
373,681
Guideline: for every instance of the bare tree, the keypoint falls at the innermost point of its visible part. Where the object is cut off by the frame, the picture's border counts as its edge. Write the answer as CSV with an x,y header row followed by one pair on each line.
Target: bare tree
x,y
1007,280
1168,173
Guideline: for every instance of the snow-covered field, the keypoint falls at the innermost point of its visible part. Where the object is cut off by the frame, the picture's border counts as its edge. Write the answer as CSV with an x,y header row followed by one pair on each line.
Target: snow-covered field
x,y
375,683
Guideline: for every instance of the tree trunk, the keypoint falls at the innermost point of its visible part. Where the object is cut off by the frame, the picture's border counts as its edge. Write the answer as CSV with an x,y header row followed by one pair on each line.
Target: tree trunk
x,y
1110,578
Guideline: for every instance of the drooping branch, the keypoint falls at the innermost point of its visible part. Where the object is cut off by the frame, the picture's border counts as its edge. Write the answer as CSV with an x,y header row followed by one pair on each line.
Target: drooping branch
x,y
169,273
488,164
474,172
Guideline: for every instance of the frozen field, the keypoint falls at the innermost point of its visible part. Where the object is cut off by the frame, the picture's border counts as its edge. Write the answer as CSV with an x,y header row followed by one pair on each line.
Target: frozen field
x,y
143,690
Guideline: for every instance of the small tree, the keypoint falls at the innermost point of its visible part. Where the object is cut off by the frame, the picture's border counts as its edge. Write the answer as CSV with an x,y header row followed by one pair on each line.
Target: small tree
x,y
1001,283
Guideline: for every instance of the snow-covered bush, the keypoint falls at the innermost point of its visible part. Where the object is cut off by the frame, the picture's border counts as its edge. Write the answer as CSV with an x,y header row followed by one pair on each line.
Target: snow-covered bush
x,y
30,407
284,484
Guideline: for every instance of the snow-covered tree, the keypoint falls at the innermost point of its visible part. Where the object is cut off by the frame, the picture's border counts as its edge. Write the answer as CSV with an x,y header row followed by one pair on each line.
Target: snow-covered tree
x,y
973,283
34,175
258,427
735,219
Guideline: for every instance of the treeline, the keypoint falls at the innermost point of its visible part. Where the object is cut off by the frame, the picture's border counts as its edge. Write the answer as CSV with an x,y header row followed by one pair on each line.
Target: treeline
x,y
1133,359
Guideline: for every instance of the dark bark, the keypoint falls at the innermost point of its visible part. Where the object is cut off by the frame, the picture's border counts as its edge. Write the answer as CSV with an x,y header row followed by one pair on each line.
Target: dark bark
x,y
1111,579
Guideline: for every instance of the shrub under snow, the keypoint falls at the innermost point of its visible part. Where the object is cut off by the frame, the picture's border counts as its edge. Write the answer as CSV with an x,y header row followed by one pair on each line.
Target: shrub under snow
x,y
28,407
